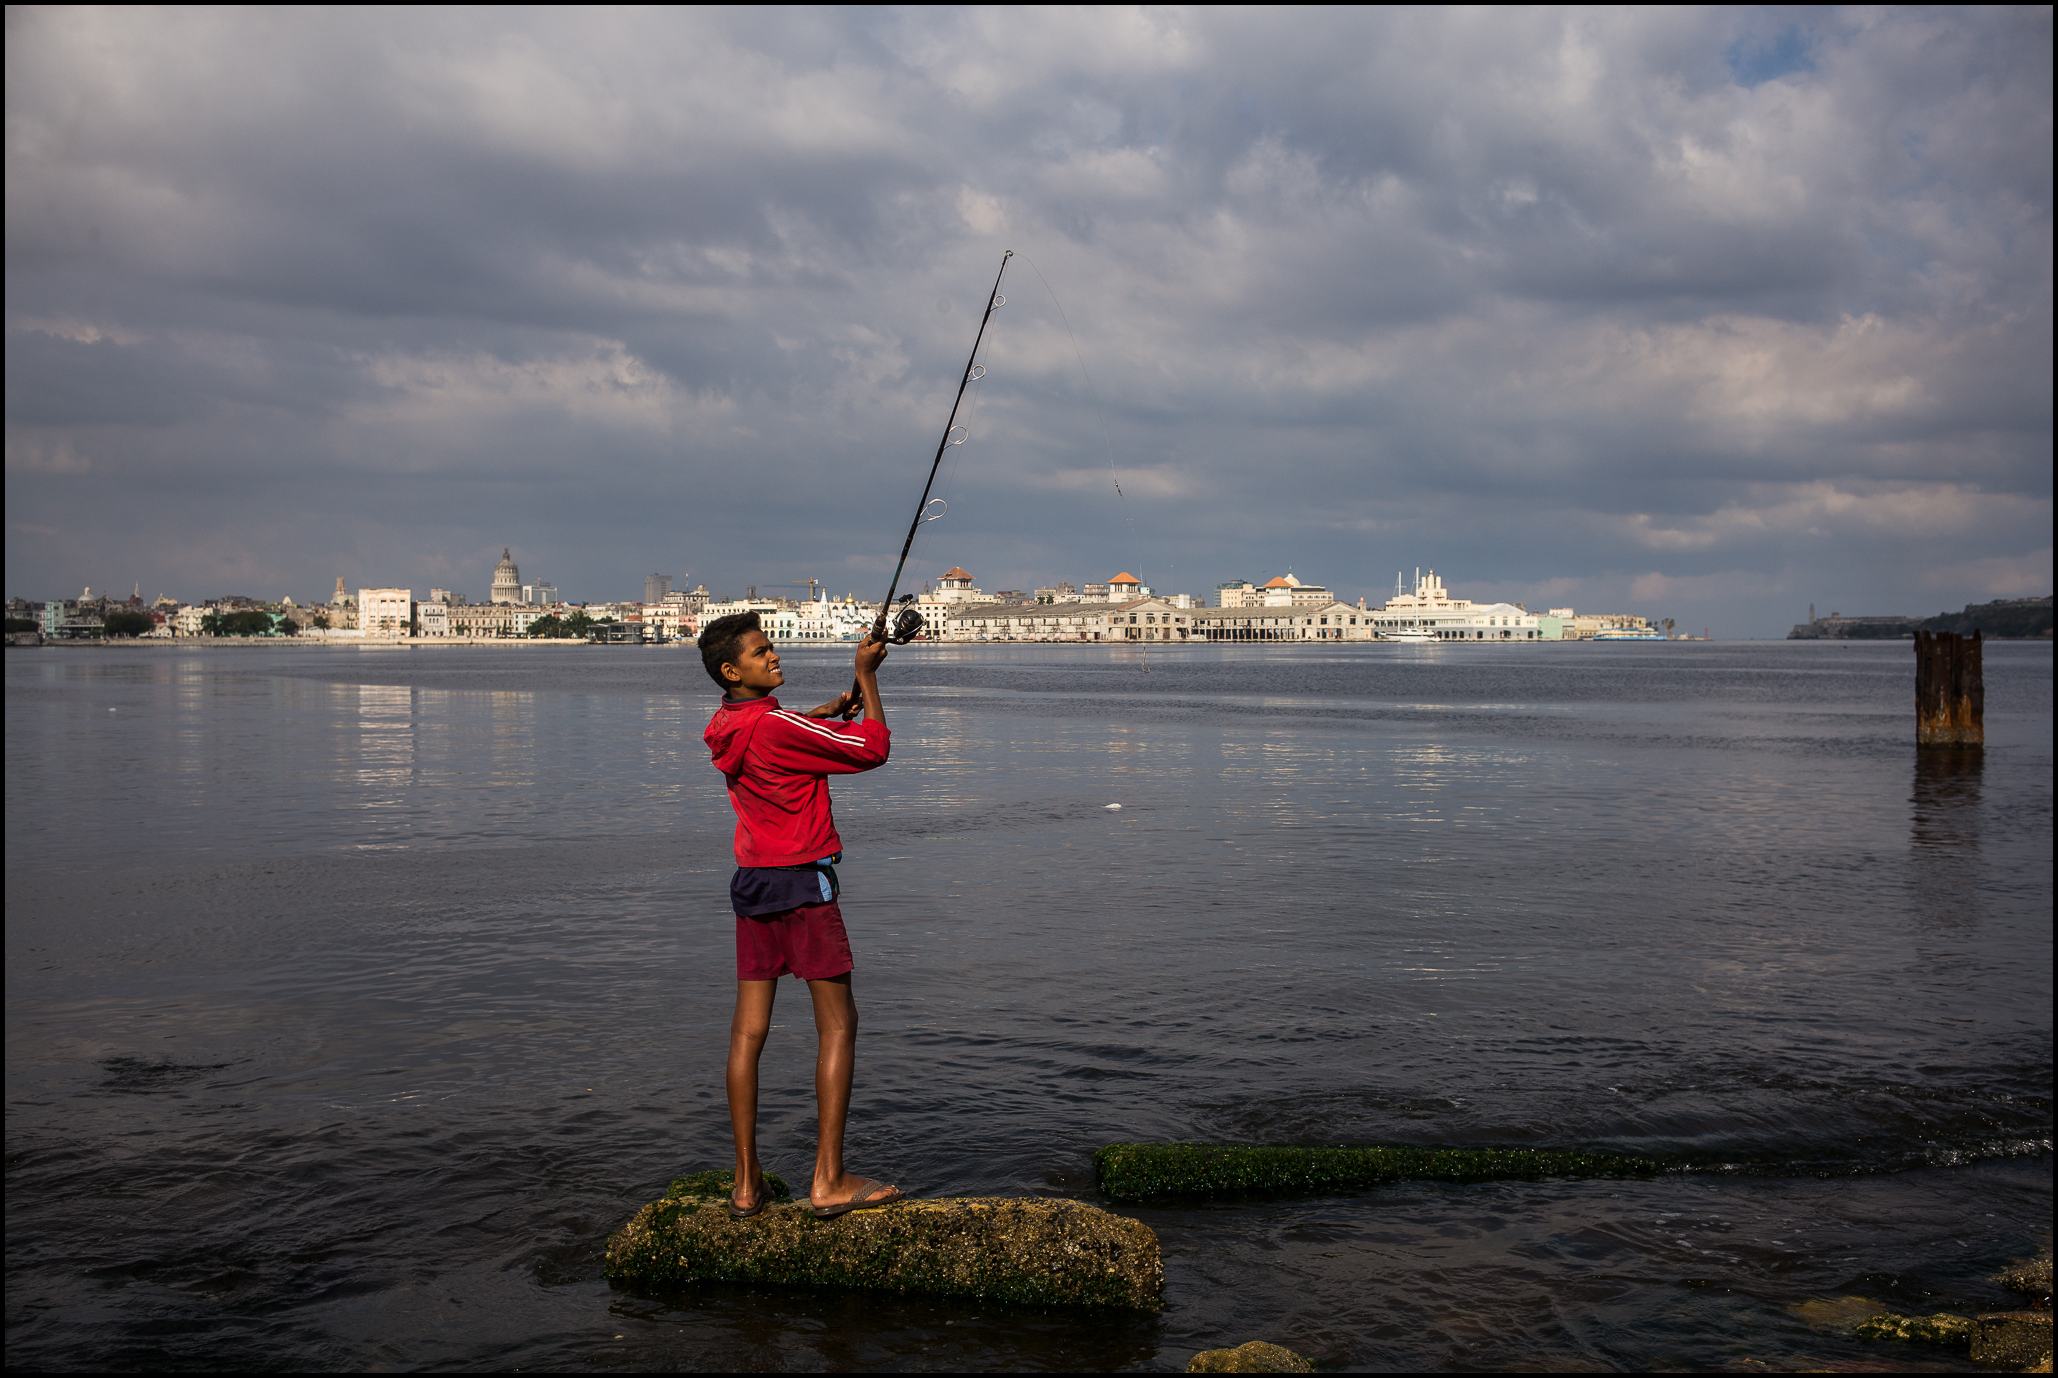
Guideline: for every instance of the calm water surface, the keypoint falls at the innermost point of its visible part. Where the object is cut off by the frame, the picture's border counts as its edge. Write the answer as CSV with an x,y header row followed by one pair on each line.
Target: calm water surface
x,y
355,996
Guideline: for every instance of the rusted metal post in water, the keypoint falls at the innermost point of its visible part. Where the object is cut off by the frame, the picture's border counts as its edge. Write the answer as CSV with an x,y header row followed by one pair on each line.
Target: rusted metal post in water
x,y
1950,694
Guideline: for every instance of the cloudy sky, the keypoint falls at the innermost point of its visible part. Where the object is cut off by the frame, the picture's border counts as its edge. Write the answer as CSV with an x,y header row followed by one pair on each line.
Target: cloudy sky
x,y
1701,314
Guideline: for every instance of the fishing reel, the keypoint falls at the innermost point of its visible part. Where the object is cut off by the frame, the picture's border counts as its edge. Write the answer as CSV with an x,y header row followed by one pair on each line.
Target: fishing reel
x,y
907,624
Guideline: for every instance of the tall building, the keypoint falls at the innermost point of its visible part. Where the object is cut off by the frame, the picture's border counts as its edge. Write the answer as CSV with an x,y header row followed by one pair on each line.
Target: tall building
x,y
507,579
655,587
341,597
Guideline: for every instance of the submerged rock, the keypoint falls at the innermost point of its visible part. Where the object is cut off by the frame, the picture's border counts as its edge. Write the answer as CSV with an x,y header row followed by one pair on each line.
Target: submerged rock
x,y
1026,1250
1153,1172
1255,1357
2012,1339
1939,1329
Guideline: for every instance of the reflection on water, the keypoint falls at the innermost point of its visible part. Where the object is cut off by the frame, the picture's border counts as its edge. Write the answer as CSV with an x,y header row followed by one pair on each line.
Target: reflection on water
x,y
1944,831
384,765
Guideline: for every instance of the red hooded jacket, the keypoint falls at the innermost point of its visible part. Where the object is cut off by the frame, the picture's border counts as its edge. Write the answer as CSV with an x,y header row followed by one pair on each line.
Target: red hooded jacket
x,y
778,763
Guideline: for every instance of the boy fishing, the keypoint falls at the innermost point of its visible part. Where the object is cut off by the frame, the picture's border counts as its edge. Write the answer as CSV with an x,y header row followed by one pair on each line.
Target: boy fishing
x,y
777,763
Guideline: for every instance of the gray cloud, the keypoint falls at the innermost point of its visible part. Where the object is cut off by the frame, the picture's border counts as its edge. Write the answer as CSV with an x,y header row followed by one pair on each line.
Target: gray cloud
x,y
1699,313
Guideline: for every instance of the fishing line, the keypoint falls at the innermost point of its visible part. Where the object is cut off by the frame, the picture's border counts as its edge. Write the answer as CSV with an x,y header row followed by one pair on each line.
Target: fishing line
x,y
1101,421
904,627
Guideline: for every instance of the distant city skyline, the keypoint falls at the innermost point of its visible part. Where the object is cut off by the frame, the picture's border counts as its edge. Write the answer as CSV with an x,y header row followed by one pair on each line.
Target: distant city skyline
x,y
1707,313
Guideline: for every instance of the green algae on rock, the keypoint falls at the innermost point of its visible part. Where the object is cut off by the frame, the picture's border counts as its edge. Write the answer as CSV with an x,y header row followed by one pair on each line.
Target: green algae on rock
x,y
1156,1172
2032,1278
1029,1251
1255,1357
1942,1328
716,1186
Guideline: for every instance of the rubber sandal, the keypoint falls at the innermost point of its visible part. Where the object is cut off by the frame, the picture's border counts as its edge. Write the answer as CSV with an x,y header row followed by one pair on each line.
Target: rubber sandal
x,y
863,1201
764,1196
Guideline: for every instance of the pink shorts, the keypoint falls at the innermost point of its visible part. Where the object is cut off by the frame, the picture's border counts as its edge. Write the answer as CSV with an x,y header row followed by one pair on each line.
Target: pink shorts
x,y
808,942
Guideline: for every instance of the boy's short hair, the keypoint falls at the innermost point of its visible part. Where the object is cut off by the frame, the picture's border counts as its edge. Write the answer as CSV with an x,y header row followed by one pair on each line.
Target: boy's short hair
x,y
720,640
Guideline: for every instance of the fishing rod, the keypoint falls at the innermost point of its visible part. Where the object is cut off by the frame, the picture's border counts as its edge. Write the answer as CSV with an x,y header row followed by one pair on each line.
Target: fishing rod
x,y
907,625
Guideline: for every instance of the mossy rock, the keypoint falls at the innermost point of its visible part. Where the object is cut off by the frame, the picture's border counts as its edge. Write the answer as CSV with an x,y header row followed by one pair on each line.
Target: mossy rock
x,y
1157,1172
716,1186
2032,1278
2012,1339
1939,1329
1028,1251
1255,1357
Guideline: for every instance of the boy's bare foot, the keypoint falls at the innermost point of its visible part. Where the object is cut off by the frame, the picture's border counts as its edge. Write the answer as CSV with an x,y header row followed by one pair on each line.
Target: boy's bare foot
x,y
741,1208
851,1194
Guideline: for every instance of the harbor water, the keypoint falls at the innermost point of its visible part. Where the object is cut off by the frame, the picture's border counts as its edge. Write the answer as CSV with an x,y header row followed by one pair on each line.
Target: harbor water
x,y
355,996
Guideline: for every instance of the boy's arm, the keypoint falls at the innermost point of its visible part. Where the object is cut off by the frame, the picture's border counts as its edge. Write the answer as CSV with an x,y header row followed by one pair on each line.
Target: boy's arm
x,y
870,653
793,742
855,698
835,708
807,745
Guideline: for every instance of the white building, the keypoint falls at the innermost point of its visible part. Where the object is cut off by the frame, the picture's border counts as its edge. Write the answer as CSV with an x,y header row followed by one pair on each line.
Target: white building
x,y
186,621
668,620
385,612
1431,608
1136,619
956,587
432,618
1283,591
507,580
1331,621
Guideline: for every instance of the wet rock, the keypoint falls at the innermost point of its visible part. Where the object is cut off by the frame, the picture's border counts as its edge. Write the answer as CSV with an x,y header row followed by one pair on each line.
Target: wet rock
x,y
1254,1357
1836,1315
2031,1278
1031,1251
2012,1339
1939,1329
1156,1172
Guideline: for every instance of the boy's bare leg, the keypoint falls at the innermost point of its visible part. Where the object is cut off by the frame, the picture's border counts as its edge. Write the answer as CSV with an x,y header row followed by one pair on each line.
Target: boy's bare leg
x,y
835,1057
746,1043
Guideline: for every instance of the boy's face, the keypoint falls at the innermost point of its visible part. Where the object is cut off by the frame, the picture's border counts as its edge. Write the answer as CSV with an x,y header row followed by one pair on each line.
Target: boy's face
x,y
755,670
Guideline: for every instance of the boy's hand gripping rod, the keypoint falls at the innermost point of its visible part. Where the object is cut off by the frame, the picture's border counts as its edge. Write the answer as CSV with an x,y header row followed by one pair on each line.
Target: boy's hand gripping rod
x,y
908,625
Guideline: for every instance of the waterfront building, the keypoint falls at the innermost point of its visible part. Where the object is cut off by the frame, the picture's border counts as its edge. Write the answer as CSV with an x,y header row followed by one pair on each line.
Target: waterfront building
x,y
1583,626
1330,621
1126,586
1281,591
724,607
507,579
955,587
1431,608
432,618
386,612
667,619
1071,621
492,619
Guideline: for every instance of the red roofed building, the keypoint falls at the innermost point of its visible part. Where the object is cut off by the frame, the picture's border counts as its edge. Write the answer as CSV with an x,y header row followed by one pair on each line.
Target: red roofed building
x,y
1126,585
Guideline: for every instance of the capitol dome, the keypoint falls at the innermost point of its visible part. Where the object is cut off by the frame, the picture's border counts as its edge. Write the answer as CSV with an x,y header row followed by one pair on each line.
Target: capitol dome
x,y
507,580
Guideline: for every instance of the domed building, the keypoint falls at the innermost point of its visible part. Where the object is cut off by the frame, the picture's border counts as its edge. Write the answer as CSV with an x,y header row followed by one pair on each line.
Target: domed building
x,y
507,579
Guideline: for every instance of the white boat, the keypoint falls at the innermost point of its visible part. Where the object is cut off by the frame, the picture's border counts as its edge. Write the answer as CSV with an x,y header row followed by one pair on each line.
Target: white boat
x,y
1412,636
1625,635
